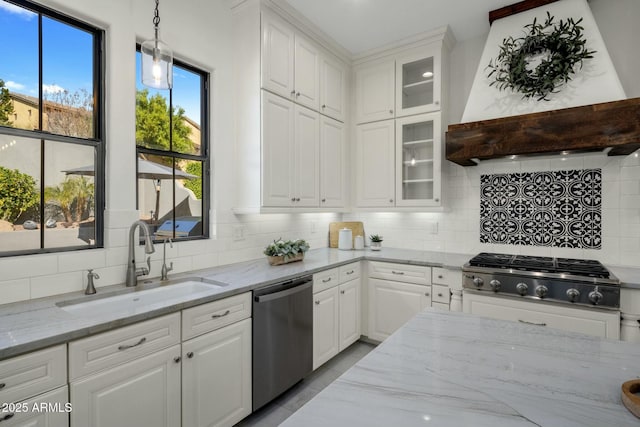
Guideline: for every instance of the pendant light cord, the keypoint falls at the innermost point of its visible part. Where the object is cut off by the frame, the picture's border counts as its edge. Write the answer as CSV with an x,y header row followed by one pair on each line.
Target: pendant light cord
x,y
156,19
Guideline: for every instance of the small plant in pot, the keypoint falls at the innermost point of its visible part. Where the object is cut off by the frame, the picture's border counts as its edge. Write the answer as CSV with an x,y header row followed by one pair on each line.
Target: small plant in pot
x,y
285,251
376,242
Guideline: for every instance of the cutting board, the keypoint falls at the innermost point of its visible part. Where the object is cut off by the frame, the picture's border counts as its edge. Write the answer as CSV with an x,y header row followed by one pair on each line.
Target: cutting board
x,y
357,229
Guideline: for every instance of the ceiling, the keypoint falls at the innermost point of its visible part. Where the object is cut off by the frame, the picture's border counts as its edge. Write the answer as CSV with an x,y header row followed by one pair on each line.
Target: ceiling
x,y
360,25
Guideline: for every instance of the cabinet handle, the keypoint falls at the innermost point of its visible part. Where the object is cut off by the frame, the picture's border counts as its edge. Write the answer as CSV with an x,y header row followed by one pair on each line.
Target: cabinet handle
x,y
324,200
426,294
177,359
2,385
439,276
125,347
297,199
342,292
190,355
390,200
436,200
440,294
215,316
324,106
297,94
390,111
326,280
293,92
532,323
317,302
437,102
7,417
349,273
397,272
293,199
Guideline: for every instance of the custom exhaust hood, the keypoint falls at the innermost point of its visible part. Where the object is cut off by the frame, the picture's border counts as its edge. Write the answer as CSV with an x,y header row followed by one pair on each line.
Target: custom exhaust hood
x,y
588,113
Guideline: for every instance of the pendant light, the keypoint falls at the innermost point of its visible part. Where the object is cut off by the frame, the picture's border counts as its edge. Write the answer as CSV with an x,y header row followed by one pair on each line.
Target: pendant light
x,y
157,59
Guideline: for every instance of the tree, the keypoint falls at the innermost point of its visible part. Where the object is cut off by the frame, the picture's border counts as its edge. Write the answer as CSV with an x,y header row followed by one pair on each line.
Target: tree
x,y
17,193
63,195
69,113
195,184
6,106
152,123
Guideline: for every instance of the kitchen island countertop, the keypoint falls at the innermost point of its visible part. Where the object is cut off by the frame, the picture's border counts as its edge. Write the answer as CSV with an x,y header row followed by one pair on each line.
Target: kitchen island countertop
x,y
452,370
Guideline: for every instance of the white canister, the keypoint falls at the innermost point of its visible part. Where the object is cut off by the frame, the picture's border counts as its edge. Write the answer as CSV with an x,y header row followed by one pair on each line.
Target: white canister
x,y
345,239
358,243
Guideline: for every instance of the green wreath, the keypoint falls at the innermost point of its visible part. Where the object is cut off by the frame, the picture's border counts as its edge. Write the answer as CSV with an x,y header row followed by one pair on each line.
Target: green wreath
x,y
563,47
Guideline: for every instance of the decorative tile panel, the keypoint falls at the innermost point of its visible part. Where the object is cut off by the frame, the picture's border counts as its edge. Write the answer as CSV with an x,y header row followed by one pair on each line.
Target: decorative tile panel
x,y
557,208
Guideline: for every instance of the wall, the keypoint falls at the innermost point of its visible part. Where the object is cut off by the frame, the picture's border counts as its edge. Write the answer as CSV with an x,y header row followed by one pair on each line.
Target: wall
x,y
457,230
199,33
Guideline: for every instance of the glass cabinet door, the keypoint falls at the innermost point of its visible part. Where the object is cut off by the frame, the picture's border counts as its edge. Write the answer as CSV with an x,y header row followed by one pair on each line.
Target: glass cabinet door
x,y
418,84
418,155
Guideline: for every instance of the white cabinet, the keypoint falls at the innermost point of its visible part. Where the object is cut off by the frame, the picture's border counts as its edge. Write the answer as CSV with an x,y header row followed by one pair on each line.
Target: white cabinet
x,y
375,91
333,88
307,72
418,82
58,417
290,141
375,173
278,47
349,305
326,326
333,157
216,377
144,392
601,323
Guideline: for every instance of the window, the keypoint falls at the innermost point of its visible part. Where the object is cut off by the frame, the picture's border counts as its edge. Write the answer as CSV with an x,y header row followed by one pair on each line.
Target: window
x,y
51,131
173,154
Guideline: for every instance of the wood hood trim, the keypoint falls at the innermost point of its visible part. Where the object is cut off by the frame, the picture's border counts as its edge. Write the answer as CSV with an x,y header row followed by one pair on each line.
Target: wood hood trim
x,y
611,126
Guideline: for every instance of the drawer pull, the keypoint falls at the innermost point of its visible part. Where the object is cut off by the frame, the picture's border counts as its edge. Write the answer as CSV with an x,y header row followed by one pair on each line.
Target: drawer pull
x,y
7,417
125,347
400,273
439,276
532,323
349,273
215,316
177,359
440,294
426,294
342,292
317,302
326,280
2,385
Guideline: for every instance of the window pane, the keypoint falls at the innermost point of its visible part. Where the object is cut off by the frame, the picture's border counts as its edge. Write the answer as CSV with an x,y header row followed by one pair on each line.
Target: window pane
x,y
19,194
187,101
152,115
69,195
67,80
19,104
189,199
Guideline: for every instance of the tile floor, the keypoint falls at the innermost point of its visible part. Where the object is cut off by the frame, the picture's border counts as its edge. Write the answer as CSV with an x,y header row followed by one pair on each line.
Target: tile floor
x,y
282,407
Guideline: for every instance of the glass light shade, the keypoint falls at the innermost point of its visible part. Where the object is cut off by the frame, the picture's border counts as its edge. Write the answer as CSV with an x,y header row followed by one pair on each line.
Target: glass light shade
x,y
157,64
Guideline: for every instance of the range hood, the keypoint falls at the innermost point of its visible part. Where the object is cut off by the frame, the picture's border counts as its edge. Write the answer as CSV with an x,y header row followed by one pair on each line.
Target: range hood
x,y
589,113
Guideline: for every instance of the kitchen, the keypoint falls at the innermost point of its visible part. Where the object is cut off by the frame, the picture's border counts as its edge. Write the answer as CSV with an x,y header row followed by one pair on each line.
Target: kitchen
x,y
242,236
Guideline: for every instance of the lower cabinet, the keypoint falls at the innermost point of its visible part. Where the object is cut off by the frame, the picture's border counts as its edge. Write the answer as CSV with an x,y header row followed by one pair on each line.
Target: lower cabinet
x,y
326,326
392,304
349,299
216,377
143,392
46,410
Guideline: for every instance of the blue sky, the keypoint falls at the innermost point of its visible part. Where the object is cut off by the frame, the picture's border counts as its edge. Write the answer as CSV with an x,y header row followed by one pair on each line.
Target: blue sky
x,y
67,61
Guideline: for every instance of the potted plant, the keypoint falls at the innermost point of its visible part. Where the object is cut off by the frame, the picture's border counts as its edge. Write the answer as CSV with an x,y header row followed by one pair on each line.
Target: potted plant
x,y
376,242
285,251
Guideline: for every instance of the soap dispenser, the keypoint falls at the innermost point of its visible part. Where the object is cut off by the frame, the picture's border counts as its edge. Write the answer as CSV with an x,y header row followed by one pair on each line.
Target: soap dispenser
x,y
91,289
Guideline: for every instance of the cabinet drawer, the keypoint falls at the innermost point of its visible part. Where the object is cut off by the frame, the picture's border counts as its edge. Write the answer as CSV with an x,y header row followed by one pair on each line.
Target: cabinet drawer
x,y
405,273
326,279
440,306
349,272
47,418
444,276
214,315
31,374
441,294
112,348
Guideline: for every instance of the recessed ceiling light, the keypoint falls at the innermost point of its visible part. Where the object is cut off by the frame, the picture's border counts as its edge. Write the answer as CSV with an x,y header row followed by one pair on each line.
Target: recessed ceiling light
x,y
427,74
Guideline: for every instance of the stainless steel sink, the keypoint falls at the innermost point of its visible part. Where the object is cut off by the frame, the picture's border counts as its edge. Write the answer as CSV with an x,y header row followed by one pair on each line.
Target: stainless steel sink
x,y
138,301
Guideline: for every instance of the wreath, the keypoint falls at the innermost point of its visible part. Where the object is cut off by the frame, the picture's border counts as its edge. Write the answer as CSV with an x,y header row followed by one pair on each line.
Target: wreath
x,y
560,46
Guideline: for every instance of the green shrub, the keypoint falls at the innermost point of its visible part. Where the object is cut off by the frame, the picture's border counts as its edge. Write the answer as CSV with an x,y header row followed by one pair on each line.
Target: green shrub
x,y
17,193
195,185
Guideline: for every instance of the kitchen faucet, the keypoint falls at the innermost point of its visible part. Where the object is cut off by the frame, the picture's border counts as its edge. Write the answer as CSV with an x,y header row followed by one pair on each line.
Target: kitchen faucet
x,y
165,270
132,271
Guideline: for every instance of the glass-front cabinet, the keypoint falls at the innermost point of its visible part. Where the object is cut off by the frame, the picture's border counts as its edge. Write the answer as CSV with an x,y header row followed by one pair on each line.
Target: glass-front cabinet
x,y
418,160
418,82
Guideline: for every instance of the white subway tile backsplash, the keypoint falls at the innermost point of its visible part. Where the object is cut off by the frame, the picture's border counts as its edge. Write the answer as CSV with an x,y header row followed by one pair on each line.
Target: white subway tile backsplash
x,y
45,286
14,290
27,266
81,260
202,261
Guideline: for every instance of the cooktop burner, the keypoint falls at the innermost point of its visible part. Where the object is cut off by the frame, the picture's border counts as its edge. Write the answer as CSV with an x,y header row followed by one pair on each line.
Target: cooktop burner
x,y
575,267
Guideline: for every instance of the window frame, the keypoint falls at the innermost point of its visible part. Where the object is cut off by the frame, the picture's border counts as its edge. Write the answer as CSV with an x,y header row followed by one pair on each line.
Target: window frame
x,y
203,157
99,126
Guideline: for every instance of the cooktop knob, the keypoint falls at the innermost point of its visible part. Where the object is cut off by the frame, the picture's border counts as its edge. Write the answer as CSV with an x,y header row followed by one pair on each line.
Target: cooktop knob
x,y
595,296
573,294
495,285
542,291
522,288
478,282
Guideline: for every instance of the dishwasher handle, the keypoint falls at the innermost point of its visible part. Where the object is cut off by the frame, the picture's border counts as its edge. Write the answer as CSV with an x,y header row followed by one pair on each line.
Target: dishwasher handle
x,y
282,294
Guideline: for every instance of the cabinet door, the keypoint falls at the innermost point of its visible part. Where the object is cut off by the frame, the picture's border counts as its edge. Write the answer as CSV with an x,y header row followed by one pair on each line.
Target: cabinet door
x,y
349,313
375,164
375,86
307,158
46,418
145,392
216,377
418,160
277,150
333,155
392,304
277,56
326,318
307,72
333,76
418,83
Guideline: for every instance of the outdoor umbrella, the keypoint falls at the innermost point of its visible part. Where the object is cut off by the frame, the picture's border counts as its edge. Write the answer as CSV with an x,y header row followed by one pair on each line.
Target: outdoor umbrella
x,y
146,170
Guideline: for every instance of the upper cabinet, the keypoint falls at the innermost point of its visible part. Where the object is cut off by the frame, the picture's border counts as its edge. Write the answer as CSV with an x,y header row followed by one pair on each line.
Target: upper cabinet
x,y
418,83
278,47
375,85
333,88
307,73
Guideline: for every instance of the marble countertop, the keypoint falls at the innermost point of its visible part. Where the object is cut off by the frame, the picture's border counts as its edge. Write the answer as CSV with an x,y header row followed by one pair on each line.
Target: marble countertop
x,y
452,369
35,324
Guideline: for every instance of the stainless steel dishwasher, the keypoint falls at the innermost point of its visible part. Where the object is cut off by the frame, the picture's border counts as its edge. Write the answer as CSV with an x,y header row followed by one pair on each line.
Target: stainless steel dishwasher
x,y
282,337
